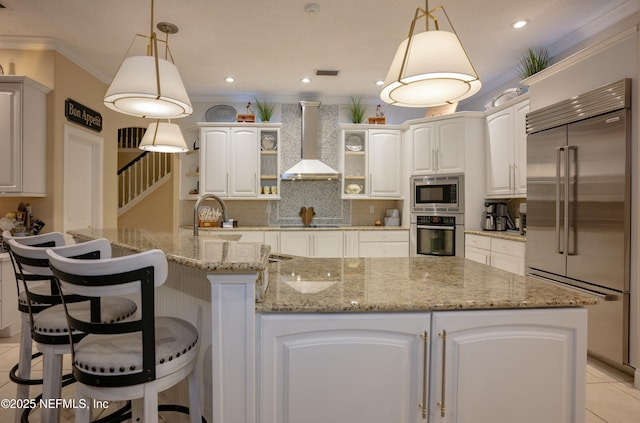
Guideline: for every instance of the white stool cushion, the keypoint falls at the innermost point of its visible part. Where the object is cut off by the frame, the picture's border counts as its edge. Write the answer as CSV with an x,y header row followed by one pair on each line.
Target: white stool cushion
x,y
53,320
122,354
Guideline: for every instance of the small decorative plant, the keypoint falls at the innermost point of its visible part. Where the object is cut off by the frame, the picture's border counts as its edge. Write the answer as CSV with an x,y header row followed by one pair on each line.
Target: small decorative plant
x,y
265,110
357,110
534,61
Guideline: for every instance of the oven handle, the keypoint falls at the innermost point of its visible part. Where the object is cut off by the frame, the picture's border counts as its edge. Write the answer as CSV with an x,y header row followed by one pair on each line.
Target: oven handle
x,y
446,228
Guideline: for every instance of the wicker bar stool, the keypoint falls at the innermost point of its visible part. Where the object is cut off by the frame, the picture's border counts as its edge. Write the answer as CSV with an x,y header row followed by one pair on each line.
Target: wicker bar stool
x,y
135,359
49,327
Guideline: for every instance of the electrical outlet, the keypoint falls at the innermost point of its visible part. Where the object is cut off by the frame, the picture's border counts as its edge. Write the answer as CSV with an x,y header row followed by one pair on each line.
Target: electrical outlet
x,y
371,209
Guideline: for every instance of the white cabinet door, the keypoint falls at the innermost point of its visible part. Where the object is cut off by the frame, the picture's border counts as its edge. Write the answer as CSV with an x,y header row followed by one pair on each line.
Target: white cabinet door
x,y
244,152
450,152
10,138
297,243
342,368
214,162
500,152
507,151
424,148
520,147
438,147
385,163
328,244
508,366
230,161
23,137
351,241
272,238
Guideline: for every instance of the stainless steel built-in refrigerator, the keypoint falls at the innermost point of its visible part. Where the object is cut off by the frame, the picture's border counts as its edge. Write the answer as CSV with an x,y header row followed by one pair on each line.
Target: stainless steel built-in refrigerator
x,y
578,206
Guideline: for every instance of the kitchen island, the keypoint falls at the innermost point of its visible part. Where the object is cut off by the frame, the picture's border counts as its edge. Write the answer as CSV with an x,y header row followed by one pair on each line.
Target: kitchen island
x,y
376,340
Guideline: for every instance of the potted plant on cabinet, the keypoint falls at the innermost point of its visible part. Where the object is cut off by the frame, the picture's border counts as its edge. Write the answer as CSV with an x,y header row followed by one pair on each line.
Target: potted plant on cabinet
x,y
534,61
265,110
356,109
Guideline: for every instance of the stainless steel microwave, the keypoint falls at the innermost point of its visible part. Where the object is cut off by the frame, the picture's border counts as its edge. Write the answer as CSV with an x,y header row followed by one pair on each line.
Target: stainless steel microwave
x,y
437,193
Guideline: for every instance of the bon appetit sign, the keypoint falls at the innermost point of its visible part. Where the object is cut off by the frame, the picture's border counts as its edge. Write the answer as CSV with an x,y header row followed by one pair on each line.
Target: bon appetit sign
x,y
82,115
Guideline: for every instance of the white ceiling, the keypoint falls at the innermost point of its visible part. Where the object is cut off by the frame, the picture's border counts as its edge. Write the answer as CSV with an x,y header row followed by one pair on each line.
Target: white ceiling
x,y
269,46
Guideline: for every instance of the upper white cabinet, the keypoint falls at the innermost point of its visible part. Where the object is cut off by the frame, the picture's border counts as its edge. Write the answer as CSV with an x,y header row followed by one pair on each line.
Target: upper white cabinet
x,y
445,144
23,118
507,151
239,161
438,147
371,162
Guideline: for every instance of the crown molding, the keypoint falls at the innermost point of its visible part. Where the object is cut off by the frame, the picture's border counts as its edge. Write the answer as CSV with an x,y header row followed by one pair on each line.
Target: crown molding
x,y
46,43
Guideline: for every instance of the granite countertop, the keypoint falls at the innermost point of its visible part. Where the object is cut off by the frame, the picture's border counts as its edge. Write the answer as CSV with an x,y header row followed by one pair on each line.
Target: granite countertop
x,y
207,252
406,284
303,228
508,235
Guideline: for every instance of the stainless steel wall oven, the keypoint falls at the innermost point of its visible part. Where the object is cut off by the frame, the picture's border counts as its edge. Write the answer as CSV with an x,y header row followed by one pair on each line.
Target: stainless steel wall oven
x,y
437,235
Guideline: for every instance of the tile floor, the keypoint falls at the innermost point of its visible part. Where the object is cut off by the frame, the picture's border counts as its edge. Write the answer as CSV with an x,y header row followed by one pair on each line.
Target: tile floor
x,y
611,397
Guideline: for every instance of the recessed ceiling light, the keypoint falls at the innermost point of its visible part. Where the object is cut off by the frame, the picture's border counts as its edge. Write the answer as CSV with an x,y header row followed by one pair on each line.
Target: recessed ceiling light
x,y
305,80
520,24
230,79
380,82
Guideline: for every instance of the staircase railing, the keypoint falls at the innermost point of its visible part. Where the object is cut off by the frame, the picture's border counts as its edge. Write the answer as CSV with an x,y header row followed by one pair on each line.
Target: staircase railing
x,y
140,176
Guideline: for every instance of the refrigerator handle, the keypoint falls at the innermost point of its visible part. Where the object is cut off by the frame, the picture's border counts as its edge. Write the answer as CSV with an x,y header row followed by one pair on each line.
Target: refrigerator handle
x,y
559,151
567,192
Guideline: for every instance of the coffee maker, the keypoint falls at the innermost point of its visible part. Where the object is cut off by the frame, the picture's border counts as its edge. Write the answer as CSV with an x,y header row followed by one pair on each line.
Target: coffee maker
x,y
494,217
523,218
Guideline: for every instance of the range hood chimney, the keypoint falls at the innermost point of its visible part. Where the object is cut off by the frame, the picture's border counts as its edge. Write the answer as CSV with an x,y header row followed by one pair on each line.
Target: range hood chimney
x,y
310,168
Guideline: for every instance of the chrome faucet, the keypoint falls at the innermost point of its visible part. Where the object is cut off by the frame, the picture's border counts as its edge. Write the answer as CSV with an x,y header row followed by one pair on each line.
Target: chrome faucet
x,y
197,205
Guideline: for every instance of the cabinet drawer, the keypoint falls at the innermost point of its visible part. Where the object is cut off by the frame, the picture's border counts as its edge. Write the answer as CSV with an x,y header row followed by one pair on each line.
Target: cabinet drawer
x,y
506,262
478,241
511,248
384,249
384,236
477,254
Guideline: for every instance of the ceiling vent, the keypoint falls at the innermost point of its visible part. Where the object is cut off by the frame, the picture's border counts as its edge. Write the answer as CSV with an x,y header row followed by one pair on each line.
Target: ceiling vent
x,y
323,72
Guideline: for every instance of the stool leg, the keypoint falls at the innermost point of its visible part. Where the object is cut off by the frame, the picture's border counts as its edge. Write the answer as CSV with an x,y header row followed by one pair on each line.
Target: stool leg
x,y
150,402
195,413
52,385
83,414
24,361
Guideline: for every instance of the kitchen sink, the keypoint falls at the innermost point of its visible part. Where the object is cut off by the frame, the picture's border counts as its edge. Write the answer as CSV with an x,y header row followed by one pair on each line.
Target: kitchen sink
x,y
275,258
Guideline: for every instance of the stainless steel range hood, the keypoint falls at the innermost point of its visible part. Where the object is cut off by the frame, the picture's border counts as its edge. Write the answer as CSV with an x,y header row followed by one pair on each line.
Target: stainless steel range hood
x,y
310,168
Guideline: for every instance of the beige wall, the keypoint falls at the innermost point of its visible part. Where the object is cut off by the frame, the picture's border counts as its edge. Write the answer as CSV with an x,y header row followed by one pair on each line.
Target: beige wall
x,y
154,213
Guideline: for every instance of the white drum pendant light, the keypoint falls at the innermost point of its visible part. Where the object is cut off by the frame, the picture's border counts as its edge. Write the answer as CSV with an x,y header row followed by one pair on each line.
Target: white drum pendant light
x,y
430,68
163,137
149,86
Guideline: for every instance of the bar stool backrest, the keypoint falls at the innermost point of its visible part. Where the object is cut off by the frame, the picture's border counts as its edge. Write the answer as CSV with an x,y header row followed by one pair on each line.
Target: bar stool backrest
x,y
136,274
32,263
